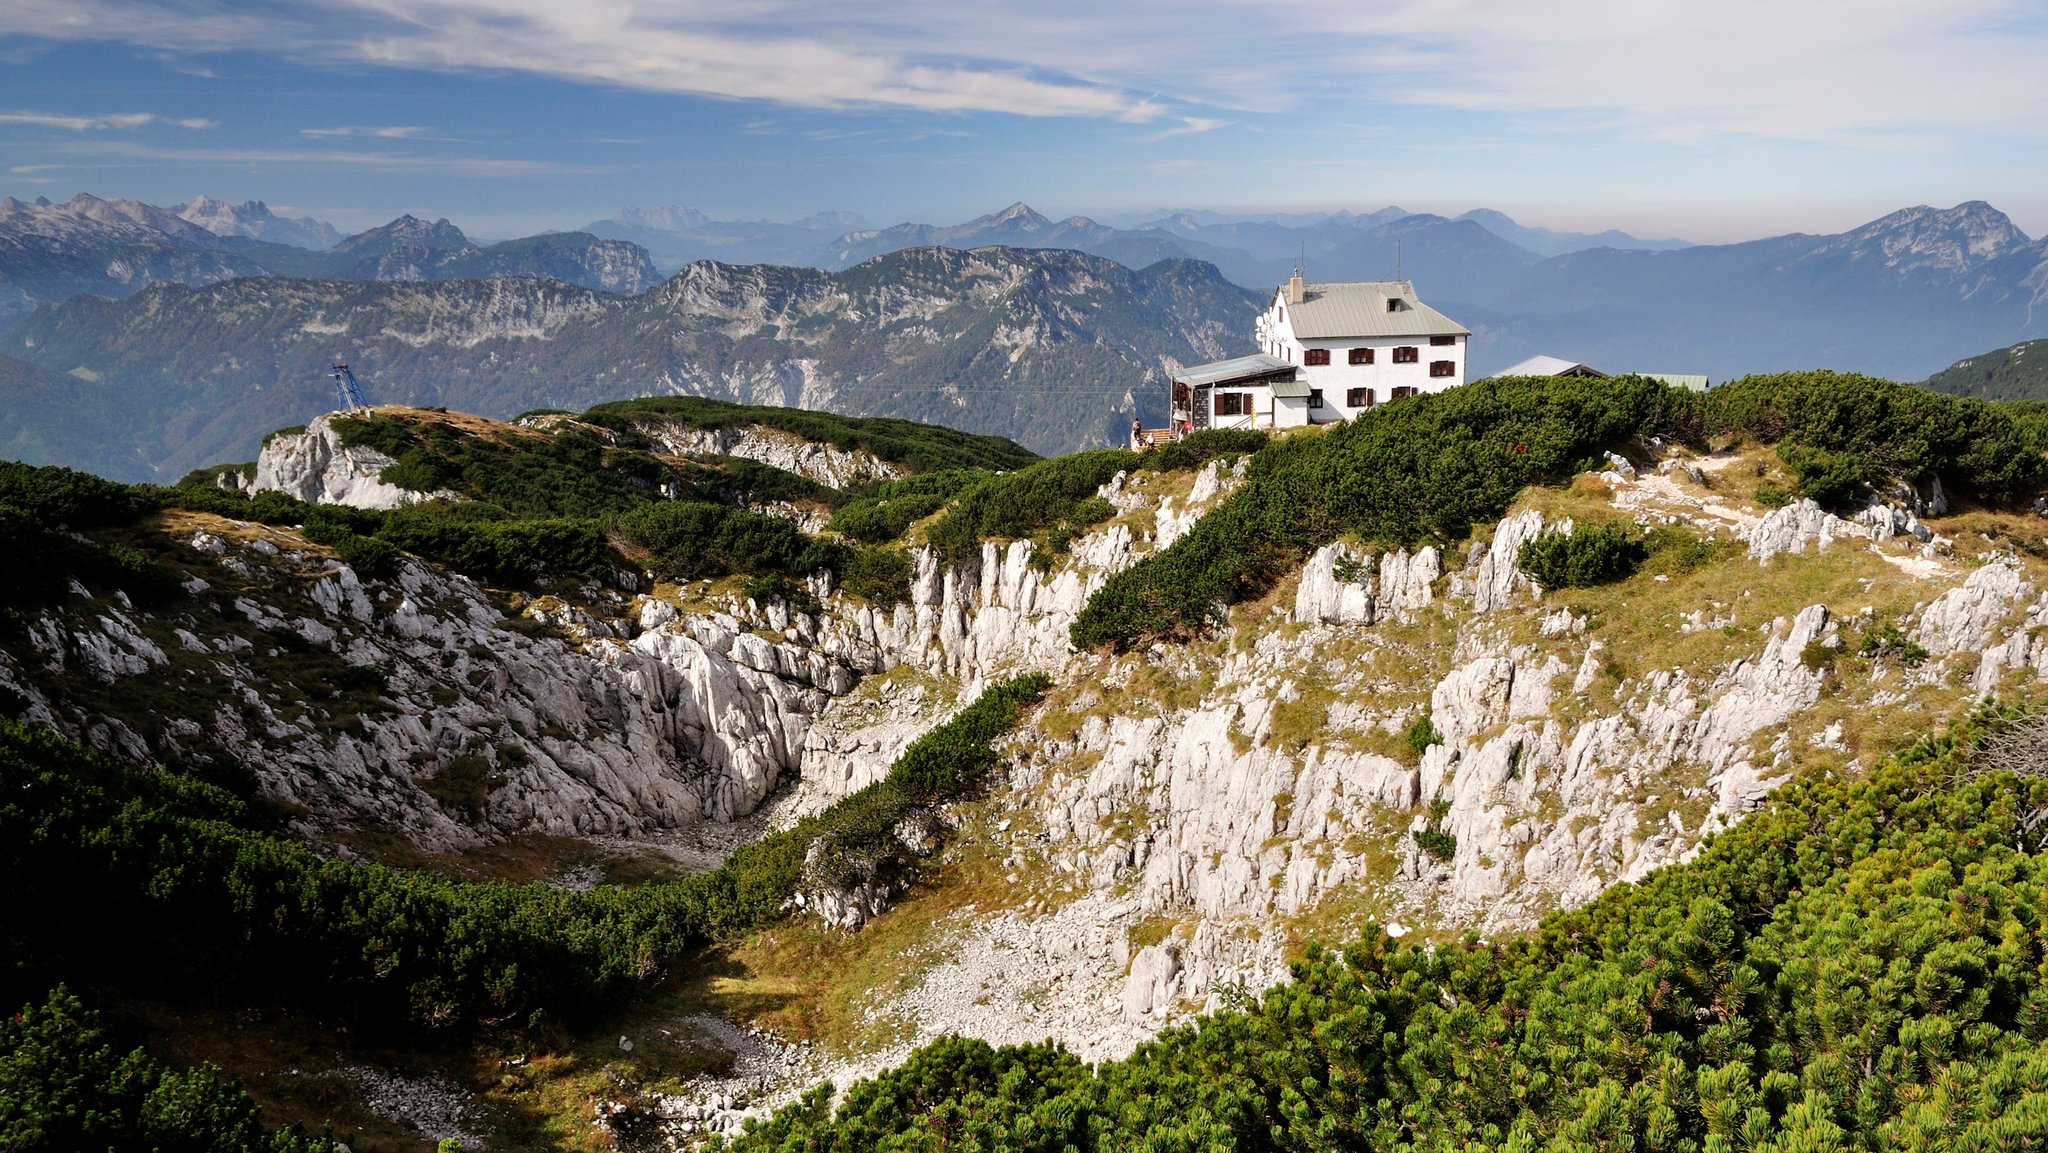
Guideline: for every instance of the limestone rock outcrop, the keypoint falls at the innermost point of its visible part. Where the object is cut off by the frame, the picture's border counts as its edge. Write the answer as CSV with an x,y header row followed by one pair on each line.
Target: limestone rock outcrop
x,y
1341,585
829,465
315,466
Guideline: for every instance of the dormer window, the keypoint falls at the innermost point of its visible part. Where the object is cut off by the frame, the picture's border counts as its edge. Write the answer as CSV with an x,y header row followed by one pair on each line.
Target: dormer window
x,y
1396,304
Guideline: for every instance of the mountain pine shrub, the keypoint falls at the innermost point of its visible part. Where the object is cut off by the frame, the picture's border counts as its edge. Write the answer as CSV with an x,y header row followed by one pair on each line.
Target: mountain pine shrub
x,y
1590,554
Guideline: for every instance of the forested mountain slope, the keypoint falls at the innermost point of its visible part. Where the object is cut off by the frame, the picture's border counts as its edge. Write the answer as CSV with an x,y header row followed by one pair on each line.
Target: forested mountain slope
x,y
2017,372
52,252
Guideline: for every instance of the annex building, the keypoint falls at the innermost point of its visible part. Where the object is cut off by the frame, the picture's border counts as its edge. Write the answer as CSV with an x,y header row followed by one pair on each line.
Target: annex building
x,y
1326,352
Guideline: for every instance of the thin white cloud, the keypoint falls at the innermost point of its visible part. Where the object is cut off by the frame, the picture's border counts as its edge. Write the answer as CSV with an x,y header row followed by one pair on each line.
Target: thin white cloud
x,y
1188,126
863,57
1873,73
94,154
379,132
1854,72
75,123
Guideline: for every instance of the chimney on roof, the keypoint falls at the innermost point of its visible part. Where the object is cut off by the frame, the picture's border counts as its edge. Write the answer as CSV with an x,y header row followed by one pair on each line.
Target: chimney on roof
x,y
1295,289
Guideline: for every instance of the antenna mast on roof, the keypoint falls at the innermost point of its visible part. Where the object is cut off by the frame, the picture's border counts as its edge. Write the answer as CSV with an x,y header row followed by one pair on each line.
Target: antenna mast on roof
x,y
1397,260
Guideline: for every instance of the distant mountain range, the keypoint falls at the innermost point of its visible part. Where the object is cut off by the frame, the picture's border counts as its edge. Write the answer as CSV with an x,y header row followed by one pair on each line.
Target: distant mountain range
x,y
188,375
253,219
50,252
1254,252
1899,297
1056,349
676,235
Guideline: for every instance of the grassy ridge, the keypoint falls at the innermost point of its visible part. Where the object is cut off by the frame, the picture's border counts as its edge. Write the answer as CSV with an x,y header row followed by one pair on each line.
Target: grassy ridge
x,y
1856,966
1427,469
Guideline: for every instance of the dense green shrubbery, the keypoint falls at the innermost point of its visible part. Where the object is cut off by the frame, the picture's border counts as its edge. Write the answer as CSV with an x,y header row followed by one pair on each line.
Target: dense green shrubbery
x,y
919,447
1431,468
63,498
568,474
735,479
500,551
692,539
1423,470
1590,554
880,576
1049,495
1843,435
881,512
1197,449
40,510
1858,966
65,1088
101,856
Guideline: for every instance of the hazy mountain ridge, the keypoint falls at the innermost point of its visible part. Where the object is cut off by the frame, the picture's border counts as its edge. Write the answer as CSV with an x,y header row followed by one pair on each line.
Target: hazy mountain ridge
x,y
1546,242
1252,251
1901,297
52,252
1049,347
675,235
255,220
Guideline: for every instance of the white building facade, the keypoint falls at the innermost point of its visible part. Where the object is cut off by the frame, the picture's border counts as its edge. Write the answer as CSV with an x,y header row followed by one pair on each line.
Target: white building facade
x,y
1357,345
1327,352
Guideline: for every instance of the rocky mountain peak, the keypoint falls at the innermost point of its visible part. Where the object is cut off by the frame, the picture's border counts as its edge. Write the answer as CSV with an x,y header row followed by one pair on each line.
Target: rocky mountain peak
x,y
254,219
87,220
407,230
1020,215
1949,239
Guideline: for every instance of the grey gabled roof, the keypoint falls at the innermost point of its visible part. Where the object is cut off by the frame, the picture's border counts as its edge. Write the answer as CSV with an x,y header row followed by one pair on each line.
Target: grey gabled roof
x,y
1335,311
1236,368
1548,366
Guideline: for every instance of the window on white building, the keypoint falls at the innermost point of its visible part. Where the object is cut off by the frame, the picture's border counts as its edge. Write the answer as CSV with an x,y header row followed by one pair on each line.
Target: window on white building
x,y
1315,356
1358,397
1361,356
1407,354
1443,368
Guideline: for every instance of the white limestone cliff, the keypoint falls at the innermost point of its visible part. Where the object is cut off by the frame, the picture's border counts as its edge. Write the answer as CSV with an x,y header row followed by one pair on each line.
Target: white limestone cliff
x,y
314,465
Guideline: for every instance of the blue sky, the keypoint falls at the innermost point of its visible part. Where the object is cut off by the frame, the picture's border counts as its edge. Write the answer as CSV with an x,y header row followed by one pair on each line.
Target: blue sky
x,y
1717,121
